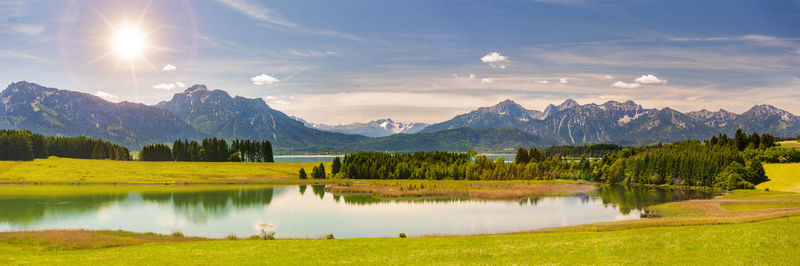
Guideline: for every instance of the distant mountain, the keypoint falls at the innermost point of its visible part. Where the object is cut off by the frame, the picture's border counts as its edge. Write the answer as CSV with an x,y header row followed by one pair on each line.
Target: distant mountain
x,y
713,119
216,113
460,139
622,123
767,118
56,112
198,113
506,114
375,128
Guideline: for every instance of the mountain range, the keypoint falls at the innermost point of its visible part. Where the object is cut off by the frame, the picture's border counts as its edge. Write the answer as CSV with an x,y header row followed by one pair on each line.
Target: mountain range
x,y
622,123
376,128
199,112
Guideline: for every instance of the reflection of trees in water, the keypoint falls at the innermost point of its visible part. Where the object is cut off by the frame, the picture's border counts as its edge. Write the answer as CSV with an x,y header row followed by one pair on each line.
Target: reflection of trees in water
x,y
18,211
302,189
319,190
364,199
638,198
198,206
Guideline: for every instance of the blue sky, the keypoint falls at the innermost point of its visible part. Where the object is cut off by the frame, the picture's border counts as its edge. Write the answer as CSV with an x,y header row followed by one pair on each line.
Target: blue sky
x,y
415,61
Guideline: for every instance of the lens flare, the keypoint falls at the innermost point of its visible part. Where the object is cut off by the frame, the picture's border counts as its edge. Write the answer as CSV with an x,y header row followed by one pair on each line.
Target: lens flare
x,y
128,42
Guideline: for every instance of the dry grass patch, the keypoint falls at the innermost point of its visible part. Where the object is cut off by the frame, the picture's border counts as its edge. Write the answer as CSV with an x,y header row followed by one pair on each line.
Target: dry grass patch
x,y
83,239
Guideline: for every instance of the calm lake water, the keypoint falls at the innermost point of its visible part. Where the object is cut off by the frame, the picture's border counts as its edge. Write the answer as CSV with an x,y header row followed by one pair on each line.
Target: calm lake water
x,y
309,211
329,158
305,158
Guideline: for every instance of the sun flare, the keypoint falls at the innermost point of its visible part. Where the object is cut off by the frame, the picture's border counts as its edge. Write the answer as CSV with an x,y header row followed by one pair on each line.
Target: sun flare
x,y
128,42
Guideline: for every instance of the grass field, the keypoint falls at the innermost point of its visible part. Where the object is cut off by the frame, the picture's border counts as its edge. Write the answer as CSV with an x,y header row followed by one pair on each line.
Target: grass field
x,y
742,227
783,177
768,242
790,144
70,171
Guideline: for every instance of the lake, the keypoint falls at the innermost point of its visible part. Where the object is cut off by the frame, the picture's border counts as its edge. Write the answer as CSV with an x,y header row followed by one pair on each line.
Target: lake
x,y
305,158
309,211
329,158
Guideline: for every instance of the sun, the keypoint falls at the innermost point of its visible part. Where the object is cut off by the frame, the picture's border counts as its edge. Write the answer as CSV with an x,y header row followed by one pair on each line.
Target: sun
x,y
128,42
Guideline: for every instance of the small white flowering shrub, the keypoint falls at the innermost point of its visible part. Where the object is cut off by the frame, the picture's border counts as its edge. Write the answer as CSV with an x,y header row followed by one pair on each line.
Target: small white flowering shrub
x,y
266,231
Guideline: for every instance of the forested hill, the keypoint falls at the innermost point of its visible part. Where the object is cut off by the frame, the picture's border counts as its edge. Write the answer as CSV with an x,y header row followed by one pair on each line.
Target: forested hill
x,y
54,112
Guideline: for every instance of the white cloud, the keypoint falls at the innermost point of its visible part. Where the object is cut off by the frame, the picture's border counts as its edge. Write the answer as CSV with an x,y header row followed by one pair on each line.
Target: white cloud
x,y
454,75
486,80
106,96
495,60
312,53
169,86
471,76
169,67
544,82
620,84
164,86
608,77
563,80
650,79
264,79
258,12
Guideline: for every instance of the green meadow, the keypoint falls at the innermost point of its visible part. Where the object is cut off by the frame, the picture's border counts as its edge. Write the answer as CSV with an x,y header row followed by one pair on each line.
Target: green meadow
x,y
774,241
71,171
742,227
783,177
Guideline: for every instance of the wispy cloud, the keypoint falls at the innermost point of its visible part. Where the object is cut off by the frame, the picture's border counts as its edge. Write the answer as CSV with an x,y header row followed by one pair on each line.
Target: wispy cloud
x,y
26,29
313,53
169,67
258,12
12,54
761,40
267,15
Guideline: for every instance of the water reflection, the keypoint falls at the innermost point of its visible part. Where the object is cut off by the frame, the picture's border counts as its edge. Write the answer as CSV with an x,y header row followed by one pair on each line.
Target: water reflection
x,y
219,212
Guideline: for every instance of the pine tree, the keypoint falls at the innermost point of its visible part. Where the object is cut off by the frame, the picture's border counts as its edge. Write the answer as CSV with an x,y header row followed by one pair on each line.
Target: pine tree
x,y
303,173
336,165
522,156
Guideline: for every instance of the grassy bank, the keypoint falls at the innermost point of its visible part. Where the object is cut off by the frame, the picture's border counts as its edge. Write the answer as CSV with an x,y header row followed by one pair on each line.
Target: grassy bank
x,y
70,171
768,242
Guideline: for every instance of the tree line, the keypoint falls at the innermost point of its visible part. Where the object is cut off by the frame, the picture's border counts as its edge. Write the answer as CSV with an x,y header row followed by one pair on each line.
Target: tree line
x,y
24,145
720,162
210,150
318,172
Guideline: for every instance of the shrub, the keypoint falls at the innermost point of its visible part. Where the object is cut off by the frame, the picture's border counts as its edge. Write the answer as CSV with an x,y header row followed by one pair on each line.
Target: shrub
x,y
177,234
266,231
402,235
329,236
232,237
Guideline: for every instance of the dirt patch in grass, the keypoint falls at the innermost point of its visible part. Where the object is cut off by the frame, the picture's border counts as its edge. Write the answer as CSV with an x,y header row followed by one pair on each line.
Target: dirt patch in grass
x,y
472,190
83,239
